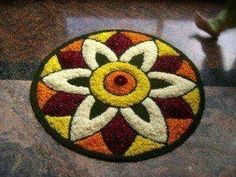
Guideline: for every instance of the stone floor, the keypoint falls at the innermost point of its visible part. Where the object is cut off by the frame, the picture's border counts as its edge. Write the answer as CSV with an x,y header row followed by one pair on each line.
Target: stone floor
x,y
29,30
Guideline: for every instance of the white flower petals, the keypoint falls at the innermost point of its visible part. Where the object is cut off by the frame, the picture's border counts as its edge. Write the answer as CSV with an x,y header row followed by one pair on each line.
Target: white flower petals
x,y
91,47
156,129
149,50
82,126
59,80
179,87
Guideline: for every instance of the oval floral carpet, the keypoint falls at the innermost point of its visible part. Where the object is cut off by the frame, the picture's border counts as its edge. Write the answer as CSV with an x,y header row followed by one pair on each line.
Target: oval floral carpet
x,y
118,95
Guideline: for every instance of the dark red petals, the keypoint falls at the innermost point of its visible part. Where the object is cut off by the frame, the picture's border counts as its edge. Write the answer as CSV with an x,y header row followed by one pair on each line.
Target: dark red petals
x,y
175,108
72,59
62,104
169,64
118,135
119,43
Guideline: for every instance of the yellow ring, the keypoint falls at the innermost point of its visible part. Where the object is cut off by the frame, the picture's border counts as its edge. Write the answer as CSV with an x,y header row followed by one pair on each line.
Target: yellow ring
x,y
98,90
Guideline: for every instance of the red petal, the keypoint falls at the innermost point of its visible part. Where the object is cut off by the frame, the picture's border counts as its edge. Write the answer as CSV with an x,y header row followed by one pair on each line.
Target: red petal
x,y
62,104
169,64
119,43
175,108
118,135
72,59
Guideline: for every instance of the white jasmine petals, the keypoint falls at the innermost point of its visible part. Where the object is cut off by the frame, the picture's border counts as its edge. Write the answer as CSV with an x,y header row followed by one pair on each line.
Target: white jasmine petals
x,y
149,50
91,47
59,80
82,126
156,129
179,87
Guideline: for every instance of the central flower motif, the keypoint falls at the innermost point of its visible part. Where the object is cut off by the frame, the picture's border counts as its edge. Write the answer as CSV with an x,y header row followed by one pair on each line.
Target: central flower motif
x,y
119,84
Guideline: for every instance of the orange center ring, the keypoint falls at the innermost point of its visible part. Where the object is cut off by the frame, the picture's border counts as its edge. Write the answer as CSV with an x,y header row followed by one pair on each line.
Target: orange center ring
x,y
119,83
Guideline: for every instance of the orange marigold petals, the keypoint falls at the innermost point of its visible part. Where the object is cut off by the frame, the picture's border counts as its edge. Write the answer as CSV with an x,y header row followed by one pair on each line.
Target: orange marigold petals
x,y
124,88
136,38
94,143
176,128
75,46
186,70
43,94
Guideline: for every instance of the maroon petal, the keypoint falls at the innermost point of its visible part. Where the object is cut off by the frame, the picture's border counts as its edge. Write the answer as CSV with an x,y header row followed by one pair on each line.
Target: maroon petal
x,y
119,43
169,64
72,59
175,108
118,135
62,104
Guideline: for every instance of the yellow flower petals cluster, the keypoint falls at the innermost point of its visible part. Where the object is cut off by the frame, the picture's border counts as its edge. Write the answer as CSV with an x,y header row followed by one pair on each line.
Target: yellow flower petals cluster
x,y
98,89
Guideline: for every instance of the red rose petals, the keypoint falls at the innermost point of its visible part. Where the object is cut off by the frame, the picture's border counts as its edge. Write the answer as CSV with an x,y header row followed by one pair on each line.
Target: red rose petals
x,y
119,43
169,64
72,59
62,104
175,108
118,135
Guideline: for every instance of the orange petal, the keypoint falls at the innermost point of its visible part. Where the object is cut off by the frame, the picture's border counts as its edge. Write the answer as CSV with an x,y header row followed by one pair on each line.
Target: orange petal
x,y
94,143
75,46
176,128
43,94
186,71
136,38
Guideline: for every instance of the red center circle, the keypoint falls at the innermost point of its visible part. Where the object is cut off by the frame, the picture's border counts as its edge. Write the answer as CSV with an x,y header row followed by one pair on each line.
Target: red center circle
x,y
120,80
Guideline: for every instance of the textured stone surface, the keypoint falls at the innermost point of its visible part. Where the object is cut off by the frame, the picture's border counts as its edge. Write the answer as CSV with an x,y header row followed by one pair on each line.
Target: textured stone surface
x,y
27,150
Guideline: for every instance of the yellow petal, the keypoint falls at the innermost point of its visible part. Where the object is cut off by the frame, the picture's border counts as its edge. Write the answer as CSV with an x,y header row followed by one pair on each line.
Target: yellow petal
x,y
165,49
60,124
102,37
51,66
142,145
193,99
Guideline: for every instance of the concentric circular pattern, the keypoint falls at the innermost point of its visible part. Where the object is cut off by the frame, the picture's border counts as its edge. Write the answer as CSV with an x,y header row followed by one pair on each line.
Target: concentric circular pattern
x,y
119,83
118,95
136,88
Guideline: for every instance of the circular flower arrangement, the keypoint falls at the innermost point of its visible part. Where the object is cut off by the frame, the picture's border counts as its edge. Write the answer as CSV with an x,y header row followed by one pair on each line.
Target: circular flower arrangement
x,y
118,95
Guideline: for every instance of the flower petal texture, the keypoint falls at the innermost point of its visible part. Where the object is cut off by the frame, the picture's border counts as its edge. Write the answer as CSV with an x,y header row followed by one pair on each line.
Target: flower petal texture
x,y
118,95
59,80
149,51
82,126
91,48
179,87
155,129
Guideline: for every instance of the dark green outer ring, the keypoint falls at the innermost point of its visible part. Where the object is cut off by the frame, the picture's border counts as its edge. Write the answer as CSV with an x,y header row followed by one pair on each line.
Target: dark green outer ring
x,y
114,158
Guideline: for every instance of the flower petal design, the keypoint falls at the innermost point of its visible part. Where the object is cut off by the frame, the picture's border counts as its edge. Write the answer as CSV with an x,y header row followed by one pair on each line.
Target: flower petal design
x,y
91,47
156,129
62,104
179,87
82,126
59,80
149,51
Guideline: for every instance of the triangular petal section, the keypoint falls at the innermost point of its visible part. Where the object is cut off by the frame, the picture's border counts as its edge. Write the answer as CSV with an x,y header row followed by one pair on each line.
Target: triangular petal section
x,y
82,126
59,80
149,51
179,87
91,47
155,129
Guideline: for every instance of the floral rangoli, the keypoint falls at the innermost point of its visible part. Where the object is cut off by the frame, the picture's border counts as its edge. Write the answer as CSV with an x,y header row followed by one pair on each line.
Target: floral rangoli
x,y
118,95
